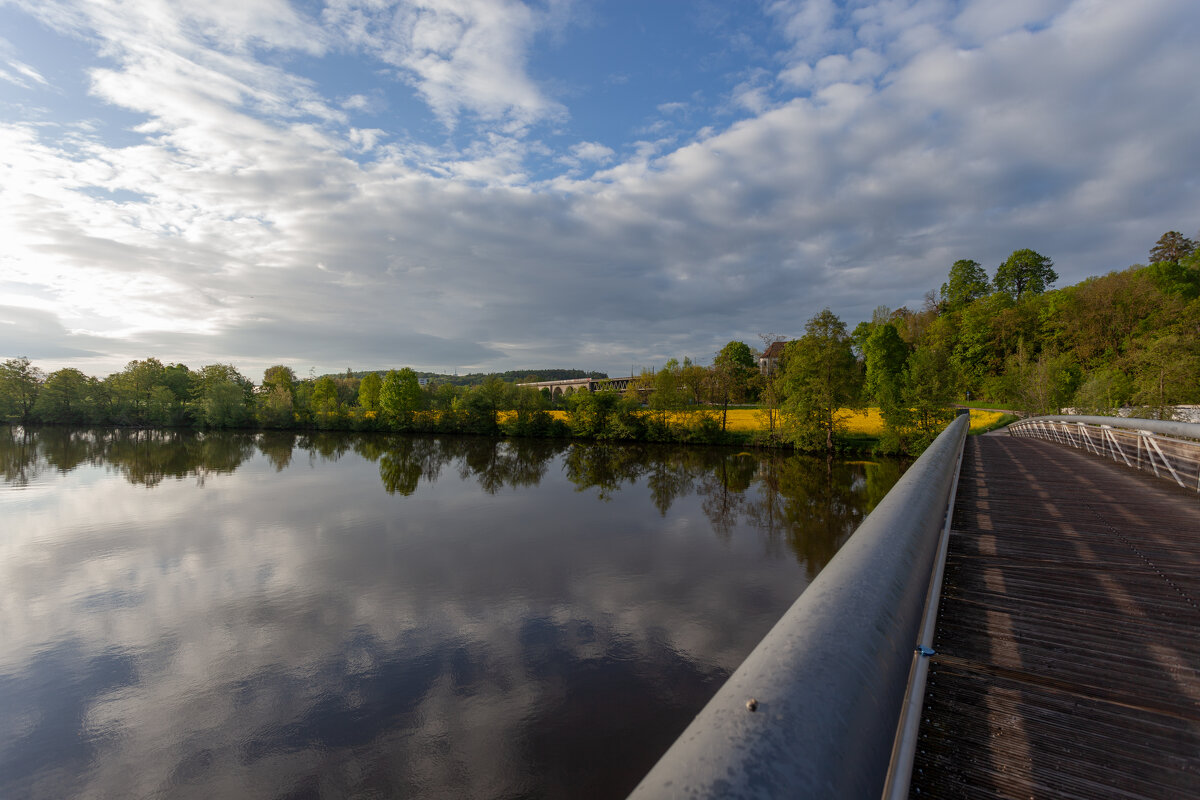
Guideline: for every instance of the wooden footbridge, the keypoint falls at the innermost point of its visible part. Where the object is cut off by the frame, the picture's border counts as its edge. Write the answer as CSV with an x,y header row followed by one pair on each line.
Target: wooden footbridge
x,y
1051,649
1067,643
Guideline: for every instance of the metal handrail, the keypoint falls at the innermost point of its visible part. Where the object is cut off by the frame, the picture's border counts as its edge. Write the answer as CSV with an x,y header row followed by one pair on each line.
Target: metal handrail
x,y
1171,450
813,711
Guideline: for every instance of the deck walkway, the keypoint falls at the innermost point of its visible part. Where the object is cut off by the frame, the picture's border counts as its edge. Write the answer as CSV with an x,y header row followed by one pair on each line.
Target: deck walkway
x,y
1068,637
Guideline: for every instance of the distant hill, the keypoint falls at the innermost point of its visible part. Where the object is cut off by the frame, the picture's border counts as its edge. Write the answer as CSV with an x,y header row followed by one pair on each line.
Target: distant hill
x,y
511,376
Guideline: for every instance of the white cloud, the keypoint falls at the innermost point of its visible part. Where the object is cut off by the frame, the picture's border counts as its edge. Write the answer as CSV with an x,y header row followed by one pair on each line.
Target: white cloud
x,y
1068,130
462,56
592,151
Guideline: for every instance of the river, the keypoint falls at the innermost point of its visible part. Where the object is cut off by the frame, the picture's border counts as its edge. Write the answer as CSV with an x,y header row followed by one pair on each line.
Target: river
x,y
339,615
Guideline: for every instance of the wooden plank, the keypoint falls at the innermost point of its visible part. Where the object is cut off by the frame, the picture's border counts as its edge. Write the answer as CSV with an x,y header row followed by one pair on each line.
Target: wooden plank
x,y
1068,634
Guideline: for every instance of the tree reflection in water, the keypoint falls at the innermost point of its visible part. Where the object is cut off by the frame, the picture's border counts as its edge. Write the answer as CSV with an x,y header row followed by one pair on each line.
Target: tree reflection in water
x,y
809,504
313,625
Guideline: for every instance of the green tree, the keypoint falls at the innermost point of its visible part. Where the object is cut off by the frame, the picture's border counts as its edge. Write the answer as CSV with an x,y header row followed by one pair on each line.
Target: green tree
x,y
324,402
967,281
1103,391
275,407
693,379
927,395
603,414
1172,246
1025,272
224,396
732,370
1041,385
884,355
65,397
368,391
1165,371
532,417
820,377
20,383
141,394
281,377
400,397
668,393
223,405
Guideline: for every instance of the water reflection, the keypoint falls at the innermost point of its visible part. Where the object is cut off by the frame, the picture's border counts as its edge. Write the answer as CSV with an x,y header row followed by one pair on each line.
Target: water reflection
x,y
330,615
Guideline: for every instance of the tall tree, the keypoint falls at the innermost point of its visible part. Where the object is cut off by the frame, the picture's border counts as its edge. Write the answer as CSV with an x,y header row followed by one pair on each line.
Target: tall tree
x,y
668,394
1172,246
1025,272
967,281
64,397
368,391
280,376
400,397
225,396
929,387
732,370
324,401
820,377
142,393
20,382
884,354
692,379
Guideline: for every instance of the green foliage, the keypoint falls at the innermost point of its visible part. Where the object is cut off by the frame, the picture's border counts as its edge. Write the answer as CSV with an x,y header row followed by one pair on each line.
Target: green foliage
x,y
400,398
884,356
1172,247
1180,278
275,408
223,405
20,383
923,405
1166,372
967,282
66,396
732,372
604,414
1103,391
1025,272
368,391
1041,384
821,376
279,376
479,407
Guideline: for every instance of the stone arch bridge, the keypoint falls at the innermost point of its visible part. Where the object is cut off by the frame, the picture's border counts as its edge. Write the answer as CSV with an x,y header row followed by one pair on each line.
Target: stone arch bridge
x,y
560,388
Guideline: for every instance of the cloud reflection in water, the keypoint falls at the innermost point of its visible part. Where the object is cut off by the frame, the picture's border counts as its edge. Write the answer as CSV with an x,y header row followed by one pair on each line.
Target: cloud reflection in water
x,y
332,615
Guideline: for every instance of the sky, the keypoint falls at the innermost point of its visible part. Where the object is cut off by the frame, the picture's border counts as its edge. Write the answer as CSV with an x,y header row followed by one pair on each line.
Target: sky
x,y
485,185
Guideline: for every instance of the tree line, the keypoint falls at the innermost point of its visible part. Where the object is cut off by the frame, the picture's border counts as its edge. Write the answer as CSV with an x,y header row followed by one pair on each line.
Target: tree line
x,y
1131,337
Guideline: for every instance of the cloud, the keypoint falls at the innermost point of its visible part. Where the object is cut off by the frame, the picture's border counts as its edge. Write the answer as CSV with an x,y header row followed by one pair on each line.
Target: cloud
x,y
462,56
592,151
856,173
38,334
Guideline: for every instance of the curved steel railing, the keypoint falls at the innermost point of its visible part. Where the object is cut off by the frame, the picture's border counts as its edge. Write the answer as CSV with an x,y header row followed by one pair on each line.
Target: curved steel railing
x,y
813,711
1171,450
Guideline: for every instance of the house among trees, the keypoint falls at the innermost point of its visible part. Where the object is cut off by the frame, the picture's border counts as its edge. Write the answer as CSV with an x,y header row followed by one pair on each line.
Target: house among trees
x,y
769,360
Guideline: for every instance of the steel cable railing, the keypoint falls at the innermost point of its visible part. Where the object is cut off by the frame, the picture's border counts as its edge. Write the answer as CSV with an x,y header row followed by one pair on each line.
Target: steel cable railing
x,y
1171,450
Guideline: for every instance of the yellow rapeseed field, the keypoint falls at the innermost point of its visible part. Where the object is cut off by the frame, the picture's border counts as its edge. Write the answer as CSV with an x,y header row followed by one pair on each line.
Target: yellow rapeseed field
x,y
864,421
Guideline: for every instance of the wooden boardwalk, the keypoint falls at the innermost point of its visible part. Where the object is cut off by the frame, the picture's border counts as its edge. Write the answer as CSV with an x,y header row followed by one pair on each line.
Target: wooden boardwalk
x,y
1068,636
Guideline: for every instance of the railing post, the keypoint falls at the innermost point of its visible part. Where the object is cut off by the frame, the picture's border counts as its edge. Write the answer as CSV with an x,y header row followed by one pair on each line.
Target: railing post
x,y
1184,439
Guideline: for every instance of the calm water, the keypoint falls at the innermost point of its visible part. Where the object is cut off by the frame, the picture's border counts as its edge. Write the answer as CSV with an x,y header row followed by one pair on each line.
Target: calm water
x,y
334,615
